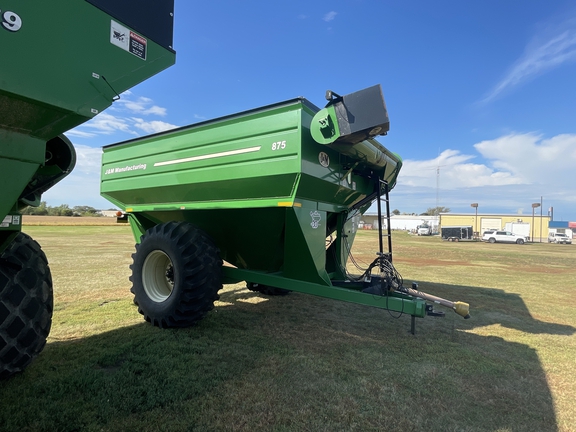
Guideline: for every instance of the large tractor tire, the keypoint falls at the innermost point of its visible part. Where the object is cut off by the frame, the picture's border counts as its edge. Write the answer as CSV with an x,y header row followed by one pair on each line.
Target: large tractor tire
x,y
176,275
26,304
267,290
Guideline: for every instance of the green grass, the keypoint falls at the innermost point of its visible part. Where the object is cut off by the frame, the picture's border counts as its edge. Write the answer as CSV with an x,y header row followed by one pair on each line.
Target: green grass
x,y
302,363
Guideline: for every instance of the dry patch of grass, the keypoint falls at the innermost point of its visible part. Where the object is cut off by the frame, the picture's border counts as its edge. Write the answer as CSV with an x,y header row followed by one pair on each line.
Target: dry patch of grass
x,y
305,363
33,220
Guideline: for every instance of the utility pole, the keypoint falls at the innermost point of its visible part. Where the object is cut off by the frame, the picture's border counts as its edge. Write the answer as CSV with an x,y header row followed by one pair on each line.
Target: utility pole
x,y
534,206
541,202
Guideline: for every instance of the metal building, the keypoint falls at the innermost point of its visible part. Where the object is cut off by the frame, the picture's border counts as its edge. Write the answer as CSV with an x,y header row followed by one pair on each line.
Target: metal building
x,y
533,226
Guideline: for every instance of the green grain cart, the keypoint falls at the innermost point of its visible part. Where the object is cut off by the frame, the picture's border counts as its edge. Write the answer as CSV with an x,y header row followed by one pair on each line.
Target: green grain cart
x,y
63,62
271,196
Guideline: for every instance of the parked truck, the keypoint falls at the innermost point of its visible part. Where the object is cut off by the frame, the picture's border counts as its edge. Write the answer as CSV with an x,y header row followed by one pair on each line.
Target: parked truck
x,y
424,230
457,233
64,62
520,228
275,194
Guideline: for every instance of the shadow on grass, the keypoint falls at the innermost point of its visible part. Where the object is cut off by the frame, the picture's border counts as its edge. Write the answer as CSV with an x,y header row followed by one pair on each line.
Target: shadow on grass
x,y
292,363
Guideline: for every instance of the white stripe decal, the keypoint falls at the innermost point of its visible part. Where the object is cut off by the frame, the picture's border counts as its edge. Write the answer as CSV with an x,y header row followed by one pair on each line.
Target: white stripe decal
x,y
209,156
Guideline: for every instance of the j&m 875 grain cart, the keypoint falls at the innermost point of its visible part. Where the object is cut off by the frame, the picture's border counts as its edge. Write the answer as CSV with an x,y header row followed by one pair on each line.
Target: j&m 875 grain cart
x,y
276,192
63,62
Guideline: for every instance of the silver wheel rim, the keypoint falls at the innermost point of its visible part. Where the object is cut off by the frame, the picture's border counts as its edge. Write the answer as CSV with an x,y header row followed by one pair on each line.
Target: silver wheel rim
x,y
158,276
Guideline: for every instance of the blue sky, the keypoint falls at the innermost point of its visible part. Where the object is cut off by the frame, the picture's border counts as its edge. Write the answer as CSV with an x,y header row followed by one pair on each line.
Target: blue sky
x,y
481,95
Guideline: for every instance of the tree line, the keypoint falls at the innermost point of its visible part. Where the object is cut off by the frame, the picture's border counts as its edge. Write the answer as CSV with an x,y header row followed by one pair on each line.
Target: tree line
x,y
62,210
431,211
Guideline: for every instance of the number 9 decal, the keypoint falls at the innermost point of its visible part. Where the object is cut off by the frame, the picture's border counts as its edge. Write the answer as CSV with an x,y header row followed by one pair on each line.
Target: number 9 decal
x,y
11,21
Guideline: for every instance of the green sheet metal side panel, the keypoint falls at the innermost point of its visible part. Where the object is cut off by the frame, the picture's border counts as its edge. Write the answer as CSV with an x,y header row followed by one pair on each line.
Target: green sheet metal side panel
x,y
59,54
233,231
305,249
236,162
20,157
284,240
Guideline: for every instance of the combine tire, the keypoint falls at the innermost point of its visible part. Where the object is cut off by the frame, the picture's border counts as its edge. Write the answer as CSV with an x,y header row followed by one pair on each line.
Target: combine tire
x,y
265,289
26,304
176,275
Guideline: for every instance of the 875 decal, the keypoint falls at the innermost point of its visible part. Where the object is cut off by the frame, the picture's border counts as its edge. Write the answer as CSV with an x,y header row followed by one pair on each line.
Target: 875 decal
x,y
279,145
10,21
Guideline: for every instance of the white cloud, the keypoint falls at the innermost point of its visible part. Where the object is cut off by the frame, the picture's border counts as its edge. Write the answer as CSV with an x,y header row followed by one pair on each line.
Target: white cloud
x,y
533,159
330,16
119,118
155,110
551,48
152,126
512,159
512,171
106,124
80,134
88,160
452,170
141,105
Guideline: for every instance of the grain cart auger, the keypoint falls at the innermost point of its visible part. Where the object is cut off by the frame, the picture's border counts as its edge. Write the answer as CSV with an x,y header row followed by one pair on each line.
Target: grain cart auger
x,y
275,192
63,62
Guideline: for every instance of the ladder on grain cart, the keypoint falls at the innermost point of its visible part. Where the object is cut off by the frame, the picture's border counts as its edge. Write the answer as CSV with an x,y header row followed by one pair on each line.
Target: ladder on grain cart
x,y
383,196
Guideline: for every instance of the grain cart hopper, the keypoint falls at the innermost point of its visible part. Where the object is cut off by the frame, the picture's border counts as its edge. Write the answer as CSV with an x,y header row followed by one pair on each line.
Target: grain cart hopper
x,y
63,62
275,192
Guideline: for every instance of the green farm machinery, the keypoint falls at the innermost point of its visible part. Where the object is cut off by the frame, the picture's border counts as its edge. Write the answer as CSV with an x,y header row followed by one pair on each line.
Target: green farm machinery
x,y
271,196
63,62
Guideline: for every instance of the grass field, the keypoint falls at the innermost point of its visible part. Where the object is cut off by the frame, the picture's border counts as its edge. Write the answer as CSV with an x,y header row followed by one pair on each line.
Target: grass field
x,y
33,220
301,363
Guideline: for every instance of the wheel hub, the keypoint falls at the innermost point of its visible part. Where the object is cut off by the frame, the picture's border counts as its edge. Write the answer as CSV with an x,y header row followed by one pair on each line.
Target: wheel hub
x,y
158,276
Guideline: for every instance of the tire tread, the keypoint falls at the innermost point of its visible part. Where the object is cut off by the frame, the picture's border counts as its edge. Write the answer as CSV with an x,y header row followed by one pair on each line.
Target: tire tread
x,y
26,304
200,275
